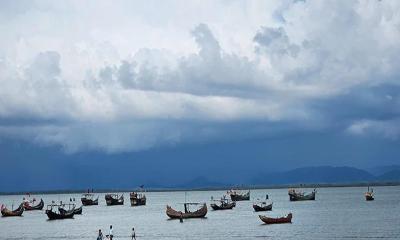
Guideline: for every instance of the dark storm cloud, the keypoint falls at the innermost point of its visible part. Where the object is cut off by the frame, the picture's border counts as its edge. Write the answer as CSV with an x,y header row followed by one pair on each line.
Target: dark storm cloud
x,y
324,66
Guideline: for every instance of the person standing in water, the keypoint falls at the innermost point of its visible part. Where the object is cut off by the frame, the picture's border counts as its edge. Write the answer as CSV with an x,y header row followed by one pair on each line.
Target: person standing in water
x,y
133,233
111,232
100,236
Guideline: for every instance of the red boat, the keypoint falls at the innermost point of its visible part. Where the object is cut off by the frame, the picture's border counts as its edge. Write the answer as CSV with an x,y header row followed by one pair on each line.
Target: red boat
x,y
269,220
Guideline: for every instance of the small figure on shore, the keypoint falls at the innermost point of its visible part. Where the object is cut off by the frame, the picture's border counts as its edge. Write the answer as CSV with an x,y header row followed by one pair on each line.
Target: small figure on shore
x,y
100,236
133,233
181,218
111,232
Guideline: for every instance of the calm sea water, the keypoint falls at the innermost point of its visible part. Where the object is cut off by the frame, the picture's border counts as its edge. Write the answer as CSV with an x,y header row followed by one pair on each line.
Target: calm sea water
x,y
338,213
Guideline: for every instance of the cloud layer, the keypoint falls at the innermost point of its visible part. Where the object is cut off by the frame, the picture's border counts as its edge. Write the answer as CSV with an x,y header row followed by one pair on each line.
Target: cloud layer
x,y
125,76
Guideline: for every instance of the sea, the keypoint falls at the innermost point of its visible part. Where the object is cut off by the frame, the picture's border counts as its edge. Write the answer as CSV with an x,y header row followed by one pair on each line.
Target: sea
x,y
337,213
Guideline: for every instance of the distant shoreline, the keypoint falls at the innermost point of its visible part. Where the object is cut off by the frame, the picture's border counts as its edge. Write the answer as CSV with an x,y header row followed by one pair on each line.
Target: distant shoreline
x,y
216,188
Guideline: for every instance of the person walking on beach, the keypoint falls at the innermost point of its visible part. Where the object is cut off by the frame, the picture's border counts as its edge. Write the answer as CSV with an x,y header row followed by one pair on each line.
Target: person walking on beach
x,y
133,233
100,236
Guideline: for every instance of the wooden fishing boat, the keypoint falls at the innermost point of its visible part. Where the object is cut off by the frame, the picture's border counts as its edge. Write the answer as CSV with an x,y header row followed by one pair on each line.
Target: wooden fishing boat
x,y
78,210
269,220
262,206
114,199
12,213
224,204
369,195
301,196
199,213
29,207
137,199
238,196
87,199
73,209
62,210
61,214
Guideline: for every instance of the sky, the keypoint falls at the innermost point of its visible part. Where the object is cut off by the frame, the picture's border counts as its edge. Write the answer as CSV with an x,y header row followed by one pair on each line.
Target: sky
x,y
216,89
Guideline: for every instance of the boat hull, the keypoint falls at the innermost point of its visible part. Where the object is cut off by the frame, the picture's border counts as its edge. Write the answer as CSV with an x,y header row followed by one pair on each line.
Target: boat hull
x,y
111,201
268,220
173,214
369,198
58,216
240,197
297,197
37,207
15,213
78,210
258,208
89,202
224,206
138,202
137,199
75,210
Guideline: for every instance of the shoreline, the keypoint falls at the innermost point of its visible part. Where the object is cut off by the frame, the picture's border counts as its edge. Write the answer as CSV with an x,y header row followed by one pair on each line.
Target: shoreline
x,y
216,188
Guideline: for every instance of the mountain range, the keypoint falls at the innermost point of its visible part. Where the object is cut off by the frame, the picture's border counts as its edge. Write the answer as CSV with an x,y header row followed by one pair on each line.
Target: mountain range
x,y
325,174
308,175
27,169
328,175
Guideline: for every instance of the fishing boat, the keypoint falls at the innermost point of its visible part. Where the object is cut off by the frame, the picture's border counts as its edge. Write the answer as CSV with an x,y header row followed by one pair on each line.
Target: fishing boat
x,y
28,205
238,196
369,195
62,208
87,199
12,213
78,210
199,213
71,207
114,199
137,199
301,196
262,206
53,214
269,220
223,204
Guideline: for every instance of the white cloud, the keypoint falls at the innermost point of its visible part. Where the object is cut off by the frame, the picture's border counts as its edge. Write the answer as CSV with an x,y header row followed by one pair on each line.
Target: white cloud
x,y
108,68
